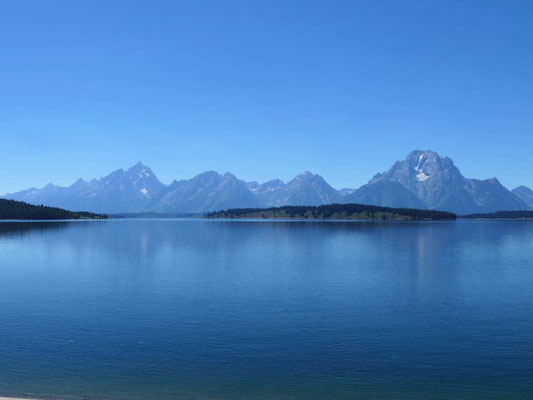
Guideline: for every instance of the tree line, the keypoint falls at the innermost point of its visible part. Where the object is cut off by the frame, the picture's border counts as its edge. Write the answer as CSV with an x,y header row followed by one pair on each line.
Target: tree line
x,y
11,209
334,211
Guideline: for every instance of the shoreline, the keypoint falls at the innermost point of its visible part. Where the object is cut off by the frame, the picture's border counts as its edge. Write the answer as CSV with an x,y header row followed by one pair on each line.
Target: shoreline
x,y
16,398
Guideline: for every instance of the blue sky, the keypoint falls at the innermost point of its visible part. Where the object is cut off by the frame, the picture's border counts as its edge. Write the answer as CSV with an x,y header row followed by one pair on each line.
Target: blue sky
x,y
264,89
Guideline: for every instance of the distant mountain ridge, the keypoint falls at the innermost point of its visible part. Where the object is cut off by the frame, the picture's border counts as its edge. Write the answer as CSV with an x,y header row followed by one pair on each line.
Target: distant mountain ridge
x,y
424,180
120,191
208,191
305,189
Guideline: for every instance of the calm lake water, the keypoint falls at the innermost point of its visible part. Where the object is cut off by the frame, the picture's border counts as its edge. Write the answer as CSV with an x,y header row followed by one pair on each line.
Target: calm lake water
x,y
197,309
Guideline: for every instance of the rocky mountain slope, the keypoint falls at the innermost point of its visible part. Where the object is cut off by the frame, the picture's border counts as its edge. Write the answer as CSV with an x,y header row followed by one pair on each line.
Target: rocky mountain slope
x,y
120,191
305,189
386,194
439,184
208,191
525,194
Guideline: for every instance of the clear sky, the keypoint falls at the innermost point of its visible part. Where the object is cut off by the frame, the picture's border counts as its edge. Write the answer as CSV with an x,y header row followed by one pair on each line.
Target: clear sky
x,y
263,89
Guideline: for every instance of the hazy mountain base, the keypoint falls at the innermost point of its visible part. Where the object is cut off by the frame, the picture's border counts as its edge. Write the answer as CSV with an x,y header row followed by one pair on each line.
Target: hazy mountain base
x,y
525,194
336,211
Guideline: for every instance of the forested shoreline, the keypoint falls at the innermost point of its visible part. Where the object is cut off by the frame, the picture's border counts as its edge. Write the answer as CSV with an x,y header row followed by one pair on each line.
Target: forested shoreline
x,y
335,211
12,209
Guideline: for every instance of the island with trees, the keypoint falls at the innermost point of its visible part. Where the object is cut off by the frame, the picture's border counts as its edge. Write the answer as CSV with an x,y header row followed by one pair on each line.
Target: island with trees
x,y
11,209
525,214
335,211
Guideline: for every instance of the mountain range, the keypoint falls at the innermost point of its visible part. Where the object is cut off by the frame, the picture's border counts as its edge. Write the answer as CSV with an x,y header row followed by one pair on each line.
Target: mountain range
x,y
423,180
120,191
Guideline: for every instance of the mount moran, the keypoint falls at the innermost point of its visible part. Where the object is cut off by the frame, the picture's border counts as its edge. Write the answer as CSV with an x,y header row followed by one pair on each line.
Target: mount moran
x,y
422,180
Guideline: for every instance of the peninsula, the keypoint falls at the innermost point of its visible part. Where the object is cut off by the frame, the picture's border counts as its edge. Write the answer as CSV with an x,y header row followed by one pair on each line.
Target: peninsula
x,y
335,211
522,215
11,209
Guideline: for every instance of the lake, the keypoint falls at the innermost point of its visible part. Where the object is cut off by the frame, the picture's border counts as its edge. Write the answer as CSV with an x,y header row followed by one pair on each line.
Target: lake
x,y
221,309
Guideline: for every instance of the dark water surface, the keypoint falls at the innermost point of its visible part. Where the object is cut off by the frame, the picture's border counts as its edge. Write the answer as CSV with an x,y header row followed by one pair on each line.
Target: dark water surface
x,y
196,309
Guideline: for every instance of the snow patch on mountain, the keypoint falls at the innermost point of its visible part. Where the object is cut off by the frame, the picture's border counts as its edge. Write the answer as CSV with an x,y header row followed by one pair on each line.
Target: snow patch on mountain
x,y
421,176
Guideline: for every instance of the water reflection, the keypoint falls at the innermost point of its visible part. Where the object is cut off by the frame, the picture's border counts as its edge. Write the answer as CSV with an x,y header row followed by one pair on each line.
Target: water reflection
x,y
266,309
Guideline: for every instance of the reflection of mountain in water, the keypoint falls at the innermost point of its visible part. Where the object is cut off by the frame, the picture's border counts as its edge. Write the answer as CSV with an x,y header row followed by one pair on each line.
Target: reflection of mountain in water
x,y
23,228
148,238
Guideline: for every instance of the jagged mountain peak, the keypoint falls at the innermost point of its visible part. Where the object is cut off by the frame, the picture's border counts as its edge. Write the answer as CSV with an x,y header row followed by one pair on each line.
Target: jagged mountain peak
x,y
208,191
424,153
229,175
440,185
421,171
306,176
141,169
204,178
79,183
138,164
304,189
424,164
116,173
210,174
